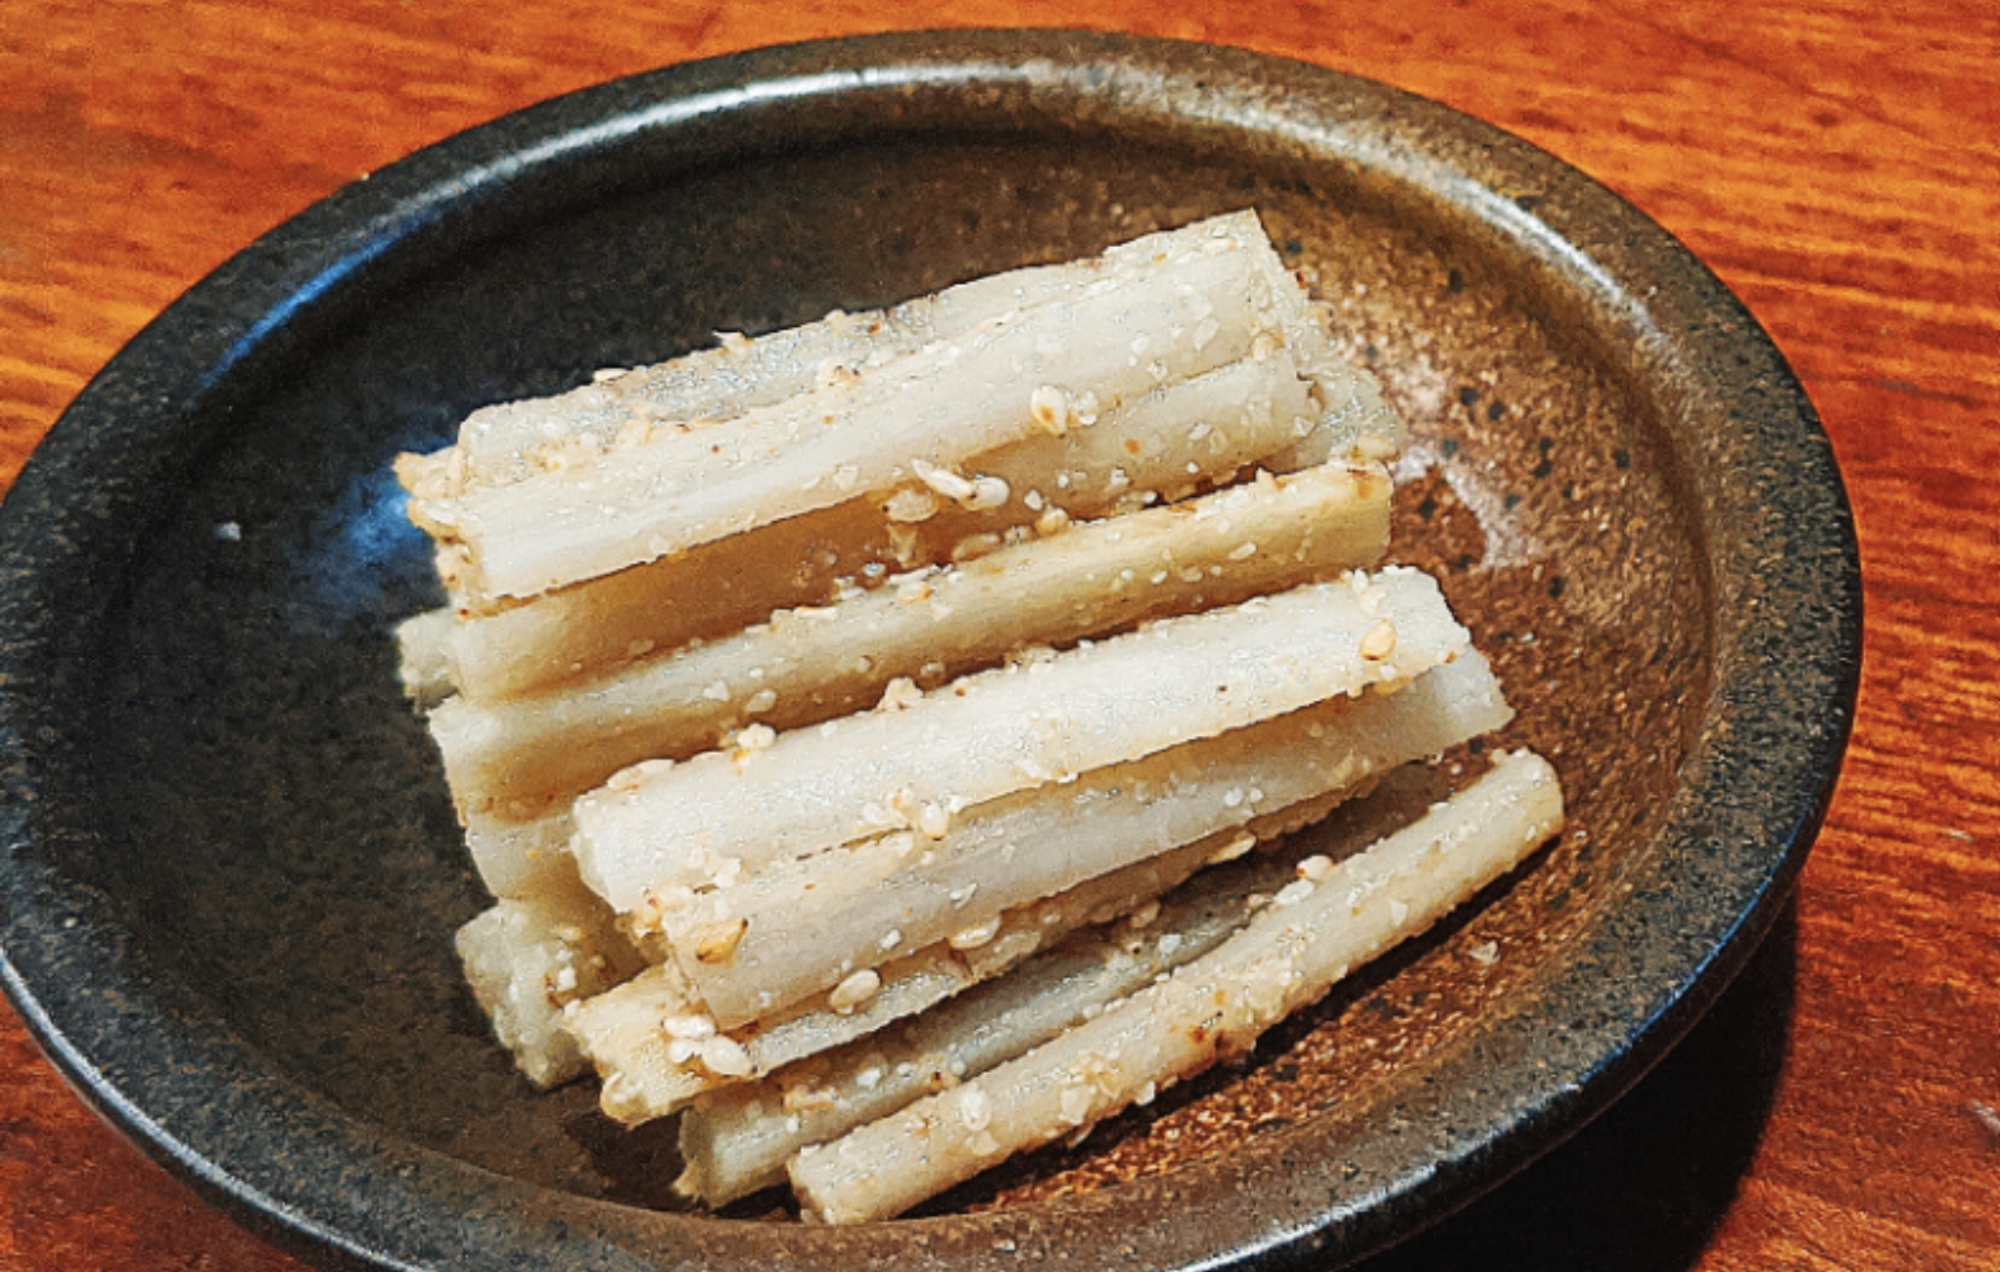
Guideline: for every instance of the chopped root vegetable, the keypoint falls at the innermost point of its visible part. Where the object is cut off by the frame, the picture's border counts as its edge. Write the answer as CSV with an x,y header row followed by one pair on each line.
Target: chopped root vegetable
x,y
424,661
527,960
522,859
656,828
647,1076
803,667
503,444
728,411
1191,310
803,925
1312,935
738,1139
836,713
1174,440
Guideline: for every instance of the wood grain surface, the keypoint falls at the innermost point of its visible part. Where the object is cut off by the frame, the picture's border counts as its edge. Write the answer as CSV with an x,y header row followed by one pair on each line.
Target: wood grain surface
x,y
1838,163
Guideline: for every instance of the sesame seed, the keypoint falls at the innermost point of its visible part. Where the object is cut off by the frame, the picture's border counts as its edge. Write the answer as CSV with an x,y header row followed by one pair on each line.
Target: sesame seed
x,y
694,1025
855,990
975,1108
943,481
900,694
682,1050
987,492
1235,848
933,821
974,546
908,506
1380,641
1294,892
725,1057
974,937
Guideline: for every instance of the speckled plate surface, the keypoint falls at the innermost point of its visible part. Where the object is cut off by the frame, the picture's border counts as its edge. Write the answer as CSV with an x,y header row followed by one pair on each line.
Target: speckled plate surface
x,y
231,871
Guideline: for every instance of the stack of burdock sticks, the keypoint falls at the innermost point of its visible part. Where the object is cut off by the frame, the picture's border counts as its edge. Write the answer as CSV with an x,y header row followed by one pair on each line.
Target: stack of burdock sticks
x,y
846,719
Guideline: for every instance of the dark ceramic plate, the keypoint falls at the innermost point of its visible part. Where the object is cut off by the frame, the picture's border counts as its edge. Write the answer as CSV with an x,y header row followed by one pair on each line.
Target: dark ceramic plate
x,y
231,871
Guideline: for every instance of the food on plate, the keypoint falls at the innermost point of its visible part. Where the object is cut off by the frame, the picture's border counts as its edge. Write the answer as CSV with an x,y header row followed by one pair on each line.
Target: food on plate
x,y
802,666
423,664
806,924
739,1139
922,698
723,815
1329,920
657,1048
1179,439
528,959
768,963
510,442
1161,310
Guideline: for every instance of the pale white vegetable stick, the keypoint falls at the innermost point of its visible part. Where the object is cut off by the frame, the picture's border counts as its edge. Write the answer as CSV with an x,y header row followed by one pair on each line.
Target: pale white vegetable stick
x,y
510,441
682,826
803,925
522,859
526,960
423,663
1165,444
647,1074
644,1038
502,444
1356,423
1170,441
529,753
517,843
575,633
737,1140
942,405
1288,956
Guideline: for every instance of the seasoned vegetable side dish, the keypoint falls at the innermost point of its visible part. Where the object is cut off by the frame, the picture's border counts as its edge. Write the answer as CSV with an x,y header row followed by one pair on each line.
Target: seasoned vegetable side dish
x,y
881,737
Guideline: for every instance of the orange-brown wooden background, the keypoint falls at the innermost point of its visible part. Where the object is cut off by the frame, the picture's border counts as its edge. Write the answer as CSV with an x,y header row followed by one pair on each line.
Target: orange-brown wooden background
x,y
1837,162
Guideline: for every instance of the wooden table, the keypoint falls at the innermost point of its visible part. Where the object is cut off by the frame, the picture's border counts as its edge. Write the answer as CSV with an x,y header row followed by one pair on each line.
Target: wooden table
x,y
1838,163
